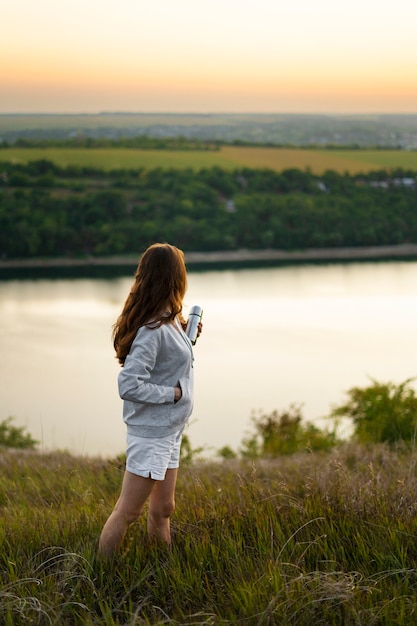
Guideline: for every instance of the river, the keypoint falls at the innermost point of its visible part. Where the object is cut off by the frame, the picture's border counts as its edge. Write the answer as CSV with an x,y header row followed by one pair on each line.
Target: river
x,y
299,334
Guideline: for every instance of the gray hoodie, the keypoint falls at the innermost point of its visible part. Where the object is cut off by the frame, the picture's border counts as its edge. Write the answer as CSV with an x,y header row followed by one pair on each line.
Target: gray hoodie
x,y
159,360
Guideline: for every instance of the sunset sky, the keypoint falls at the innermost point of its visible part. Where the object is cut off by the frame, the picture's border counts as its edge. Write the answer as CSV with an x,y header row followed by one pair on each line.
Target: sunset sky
x,y
213,56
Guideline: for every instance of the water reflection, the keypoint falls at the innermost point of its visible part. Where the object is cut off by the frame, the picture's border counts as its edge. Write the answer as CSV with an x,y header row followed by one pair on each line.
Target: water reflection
x,y
271,337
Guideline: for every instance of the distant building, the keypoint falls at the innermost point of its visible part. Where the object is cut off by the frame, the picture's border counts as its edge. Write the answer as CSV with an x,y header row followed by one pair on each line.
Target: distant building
x,y
410,183
379,184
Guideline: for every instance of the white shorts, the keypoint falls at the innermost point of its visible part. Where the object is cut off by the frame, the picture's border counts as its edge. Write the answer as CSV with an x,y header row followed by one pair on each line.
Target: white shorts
x,y
150,457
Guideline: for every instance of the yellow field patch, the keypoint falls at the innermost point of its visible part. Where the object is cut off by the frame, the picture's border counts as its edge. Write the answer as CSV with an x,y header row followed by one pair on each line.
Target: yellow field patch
x,y
318,161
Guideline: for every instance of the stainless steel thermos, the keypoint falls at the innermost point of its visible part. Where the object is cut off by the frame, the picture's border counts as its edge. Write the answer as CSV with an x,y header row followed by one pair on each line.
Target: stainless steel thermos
x,y
194,318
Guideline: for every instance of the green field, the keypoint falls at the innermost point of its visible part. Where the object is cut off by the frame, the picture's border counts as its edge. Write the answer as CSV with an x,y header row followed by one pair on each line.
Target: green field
x,y
227,157
118,158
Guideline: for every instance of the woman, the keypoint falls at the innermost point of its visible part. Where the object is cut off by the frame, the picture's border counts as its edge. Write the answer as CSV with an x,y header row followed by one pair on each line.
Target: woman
x,y
156,384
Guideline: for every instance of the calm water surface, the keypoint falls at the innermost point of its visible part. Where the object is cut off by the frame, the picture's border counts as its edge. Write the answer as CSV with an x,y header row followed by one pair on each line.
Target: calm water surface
x,y
271,337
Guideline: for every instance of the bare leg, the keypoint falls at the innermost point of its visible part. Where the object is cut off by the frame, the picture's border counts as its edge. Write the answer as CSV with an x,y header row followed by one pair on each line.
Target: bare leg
x,y
135,491
161,507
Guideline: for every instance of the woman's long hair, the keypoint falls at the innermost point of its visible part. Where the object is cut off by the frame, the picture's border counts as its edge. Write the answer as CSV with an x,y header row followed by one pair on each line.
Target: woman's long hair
x,y
156,295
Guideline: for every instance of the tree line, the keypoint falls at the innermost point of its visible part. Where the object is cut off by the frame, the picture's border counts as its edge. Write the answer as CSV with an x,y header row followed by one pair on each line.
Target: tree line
x,y
139,142
32,139
50,211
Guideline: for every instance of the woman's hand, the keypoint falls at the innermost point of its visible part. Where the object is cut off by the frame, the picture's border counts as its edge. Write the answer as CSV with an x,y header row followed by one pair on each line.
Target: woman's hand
x,y
177,394
199,328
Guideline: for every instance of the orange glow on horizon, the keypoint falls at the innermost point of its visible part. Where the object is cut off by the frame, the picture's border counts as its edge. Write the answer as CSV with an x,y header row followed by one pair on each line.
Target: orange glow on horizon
x,y
250,56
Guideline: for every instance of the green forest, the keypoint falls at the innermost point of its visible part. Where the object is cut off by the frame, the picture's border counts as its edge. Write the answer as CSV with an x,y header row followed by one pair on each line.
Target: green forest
x,y
49,211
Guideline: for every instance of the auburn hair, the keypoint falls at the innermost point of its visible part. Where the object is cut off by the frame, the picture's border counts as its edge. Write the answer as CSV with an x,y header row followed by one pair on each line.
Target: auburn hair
x,y
155,297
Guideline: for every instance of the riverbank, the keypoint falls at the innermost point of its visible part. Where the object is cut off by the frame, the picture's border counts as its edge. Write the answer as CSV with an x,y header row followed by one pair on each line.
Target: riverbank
x,y
225,257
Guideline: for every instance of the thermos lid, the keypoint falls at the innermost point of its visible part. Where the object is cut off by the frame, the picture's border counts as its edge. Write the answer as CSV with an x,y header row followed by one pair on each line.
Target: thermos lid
x,y
196,310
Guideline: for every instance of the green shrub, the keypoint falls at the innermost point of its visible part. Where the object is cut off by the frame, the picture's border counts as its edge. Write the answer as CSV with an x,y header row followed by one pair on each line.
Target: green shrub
x,y
285,432
226,452
188,453
381,412
15,436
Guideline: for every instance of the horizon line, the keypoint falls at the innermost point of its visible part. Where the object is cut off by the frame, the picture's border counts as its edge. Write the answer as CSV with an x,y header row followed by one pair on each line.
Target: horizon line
x,y
210,113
